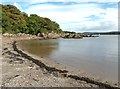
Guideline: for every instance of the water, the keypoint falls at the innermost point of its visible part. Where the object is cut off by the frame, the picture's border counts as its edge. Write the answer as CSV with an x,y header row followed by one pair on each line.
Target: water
x,y
96,56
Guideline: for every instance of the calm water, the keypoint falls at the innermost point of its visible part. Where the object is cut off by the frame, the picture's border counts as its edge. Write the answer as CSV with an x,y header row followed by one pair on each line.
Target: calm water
x,y
96,56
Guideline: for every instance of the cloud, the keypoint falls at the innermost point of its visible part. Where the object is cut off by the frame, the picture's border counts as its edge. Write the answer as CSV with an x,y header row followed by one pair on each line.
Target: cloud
x,y
18,6
67,13
75,15
91,26
39,1
79,16
100,26
0,1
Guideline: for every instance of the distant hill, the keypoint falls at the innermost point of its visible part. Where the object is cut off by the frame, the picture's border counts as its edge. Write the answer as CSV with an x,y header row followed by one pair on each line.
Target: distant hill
x,y
103,33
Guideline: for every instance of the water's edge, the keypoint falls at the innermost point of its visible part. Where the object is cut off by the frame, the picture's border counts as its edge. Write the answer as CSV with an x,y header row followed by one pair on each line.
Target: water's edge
x,y
64,73
91,57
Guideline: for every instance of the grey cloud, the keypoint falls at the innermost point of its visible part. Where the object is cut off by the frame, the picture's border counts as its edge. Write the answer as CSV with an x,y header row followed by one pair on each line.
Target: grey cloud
x,y
102,27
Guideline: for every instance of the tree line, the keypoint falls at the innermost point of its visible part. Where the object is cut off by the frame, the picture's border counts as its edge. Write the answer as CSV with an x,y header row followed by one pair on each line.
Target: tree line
x,y
14,21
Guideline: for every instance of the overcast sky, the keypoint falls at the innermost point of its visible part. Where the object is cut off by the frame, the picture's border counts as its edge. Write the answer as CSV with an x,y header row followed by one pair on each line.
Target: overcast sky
x,y
74,15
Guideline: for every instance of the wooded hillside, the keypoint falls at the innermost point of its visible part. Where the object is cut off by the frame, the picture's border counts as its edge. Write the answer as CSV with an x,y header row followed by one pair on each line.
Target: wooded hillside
x,y
14,21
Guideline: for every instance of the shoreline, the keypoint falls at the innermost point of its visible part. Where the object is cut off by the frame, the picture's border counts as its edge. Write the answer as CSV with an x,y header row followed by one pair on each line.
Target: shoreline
x,y
56,71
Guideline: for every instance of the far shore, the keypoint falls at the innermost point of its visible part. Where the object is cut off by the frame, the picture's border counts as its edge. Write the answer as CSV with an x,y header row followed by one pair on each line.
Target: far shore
x,y
18,64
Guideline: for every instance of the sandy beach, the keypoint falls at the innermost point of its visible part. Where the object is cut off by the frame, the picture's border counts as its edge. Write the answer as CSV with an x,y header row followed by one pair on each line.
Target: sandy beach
x,y
21,69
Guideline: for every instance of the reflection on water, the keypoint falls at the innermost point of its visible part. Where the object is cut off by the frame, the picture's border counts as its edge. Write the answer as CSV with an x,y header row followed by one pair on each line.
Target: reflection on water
x,y
96,56
40,47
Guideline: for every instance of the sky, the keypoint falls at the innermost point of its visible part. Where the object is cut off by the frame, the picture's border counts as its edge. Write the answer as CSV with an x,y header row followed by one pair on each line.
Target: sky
x,y
74,15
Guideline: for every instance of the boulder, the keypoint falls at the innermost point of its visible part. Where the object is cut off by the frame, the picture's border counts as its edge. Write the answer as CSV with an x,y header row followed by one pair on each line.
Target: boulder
x,y
53,35
68,35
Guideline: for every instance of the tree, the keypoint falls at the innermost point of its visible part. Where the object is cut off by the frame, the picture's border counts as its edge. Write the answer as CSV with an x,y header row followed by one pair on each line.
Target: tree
x,y
14,21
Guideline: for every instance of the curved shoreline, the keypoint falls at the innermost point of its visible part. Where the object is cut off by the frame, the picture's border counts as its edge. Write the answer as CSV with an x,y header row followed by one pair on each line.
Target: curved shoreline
x,y
56,71
64,73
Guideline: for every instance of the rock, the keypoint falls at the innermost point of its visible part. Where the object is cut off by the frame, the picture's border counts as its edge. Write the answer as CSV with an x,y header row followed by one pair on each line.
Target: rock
x,y
39,35
53,35
43,35
77,36
17,60
5,49
35,79
71,36
68,35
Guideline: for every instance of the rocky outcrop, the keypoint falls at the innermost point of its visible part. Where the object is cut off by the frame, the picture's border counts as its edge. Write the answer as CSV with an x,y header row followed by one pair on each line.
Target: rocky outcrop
x,y
20,36
53,35
69,35
17,35
42,35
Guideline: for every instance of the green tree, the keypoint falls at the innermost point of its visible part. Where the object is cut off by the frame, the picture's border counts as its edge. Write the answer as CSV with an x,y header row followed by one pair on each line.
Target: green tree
x,y
14,21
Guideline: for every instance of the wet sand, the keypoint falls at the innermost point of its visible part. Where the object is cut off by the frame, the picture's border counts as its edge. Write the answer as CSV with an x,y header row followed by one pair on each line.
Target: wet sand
x,y
20,69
